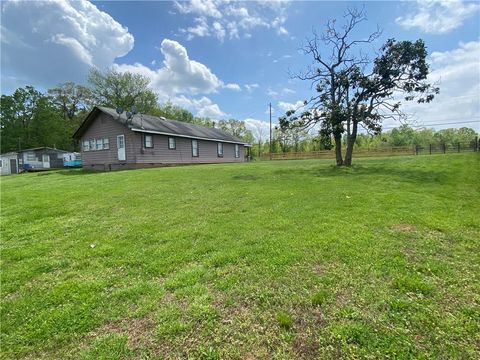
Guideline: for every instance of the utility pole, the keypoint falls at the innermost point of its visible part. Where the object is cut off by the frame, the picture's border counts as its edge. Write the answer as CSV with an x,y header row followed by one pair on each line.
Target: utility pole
x,y
270,105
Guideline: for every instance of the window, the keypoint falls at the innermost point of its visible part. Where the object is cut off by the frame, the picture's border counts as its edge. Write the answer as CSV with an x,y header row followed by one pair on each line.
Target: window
x,y
99,144
220,149
172,144
31,157
237,151
92,144
86,145
1,163
148,141
195,148
106,144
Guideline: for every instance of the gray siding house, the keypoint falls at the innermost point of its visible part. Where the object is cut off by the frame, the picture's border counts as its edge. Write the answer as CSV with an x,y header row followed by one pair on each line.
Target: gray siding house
x,y
111,141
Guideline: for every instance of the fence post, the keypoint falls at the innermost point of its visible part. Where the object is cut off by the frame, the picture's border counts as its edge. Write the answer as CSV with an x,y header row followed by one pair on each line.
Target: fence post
x,y
430,146
476,144
444,148
416,149
458,146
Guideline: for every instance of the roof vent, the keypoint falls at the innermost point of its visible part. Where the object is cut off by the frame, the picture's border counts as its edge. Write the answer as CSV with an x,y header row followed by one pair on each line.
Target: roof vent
x,y
161,117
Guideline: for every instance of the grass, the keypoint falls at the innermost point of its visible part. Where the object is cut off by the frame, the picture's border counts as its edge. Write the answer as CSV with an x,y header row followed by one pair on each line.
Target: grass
x,y
284,260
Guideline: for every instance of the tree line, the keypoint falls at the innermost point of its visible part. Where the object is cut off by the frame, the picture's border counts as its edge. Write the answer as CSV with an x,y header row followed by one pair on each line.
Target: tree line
x,y
31,118
405,135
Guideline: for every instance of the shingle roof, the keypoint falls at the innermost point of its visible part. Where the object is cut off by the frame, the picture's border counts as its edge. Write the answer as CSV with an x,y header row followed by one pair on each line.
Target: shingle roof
x,y
155,124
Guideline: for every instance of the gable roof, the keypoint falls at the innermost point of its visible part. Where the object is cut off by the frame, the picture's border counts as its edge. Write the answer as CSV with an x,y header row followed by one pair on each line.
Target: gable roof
x,y
159,125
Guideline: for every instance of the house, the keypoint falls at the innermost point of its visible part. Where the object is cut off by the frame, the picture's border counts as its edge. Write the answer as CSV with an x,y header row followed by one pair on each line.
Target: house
x,y
41,158
113,141
9,163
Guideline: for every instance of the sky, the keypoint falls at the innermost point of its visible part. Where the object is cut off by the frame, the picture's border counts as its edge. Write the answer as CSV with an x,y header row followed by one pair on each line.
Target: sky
x,y
231,59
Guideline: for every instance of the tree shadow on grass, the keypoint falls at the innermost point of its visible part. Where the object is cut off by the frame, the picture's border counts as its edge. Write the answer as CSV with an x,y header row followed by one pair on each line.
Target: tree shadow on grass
x,y
407,174
72,172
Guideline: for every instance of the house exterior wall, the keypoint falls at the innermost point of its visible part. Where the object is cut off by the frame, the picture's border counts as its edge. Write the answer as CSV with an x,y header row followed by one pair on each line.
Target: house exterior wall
x,y
136,155
182,154
5,168
106,127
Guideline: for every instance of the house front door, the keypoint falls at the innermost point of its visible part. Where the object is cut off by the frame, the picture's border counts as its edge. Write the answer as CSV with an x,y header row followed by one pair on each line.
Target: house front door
x,y
121,147
13,166
46,161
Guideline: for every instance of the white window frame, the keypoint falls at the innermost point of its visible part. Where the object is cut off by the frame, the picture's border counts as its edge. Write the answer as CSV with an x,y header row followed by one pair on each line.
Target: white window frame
x,y
98,144
106,143
195,151
145,141
86,145
171,140
92,144
220,149
237,151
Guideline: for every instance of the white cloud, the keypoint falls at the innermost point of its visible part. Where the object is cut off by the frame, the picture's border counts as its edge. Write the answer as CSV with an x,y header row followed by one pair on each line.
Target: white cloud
x,y
219,31
272,93
438,17
201,7
459,74
203,107
223,19
233,86
251,87
276,93
285,106
179,74
47,42
180,79
200,30
260,129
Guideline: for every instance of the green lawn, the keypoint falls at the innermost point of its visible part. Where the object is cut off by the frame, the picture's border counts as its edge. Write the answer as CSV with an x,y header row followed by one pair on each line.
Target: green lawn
x,y
286,260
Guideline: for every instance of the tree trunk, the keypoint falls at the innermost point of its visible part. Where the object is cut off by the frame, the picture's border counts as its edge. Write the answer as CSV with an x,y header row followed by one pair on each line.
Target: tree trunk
x,y
338,149
351,144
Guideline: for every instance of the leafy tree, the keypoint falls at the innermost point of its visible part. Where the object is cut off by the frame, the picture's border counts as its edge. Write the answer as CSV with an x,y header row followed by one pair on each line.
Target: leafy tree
x,y
116,89
29,118
352,90
204,121
236,128
173,112
403,135
71,98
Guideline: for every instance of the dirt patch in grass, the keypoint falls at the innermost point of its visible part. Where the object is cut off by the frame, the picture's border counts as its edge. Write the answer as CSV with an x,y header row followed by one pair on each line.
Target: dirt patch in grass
x,y
309,321
139,331
404,227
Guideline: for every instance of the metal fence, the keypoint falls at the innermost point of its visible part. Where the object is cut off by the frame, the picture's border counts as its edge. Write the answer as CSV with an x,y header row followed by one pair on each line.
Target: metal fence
x,y
379,151
447,148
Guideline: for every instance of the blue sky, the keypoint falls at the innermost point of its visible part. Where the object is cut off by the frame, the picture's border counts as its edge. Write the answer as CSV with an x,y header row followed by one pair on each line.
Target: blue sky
x,y
225,59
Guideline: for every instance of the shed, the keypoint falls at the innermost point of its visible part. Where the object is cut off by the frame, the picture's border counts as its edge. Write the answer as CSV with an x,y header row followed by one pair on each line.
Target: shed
x,y
9,163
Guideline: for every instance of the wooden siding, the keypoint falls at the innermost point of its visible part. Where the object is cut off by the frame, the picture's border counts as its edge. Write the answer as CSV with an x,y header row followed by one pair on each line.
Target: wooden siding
x,y
104,126
207,151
